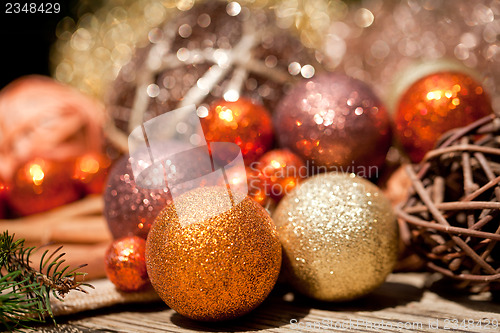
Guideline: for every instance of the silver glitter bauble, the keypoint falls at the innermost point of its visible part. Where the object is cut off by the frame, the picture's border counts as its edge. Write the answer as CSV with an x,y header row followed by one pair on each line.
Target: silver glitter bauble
x,y
339,237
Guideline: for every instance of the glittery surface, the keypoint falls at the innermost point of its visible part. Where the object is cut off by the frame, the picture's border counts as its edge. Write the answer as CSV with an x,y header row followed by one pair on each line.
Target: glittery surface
x,y
125,263
217,268
339,236
334,120
371,40
243,122
207,53
436,104
41,185
130,210
281,170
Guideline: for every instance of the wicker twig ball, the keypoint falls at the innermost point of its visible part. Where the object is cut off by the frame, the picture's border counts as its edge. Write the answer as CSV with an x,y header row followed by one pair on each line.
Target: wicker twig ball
x,y
452,215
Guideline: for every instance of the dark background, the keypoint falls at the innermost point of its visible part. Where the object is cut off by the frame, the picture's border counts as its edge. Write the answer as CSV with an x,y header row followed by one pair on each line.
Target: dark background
x,y
26,39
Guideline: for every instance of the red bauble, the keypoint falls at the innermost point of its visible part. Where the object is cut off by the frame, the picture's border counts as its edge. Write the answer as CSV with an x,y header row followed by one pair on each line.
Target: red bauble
x,y
281,170
90,172
125,263
256,188
3,196
336,123
436,104
243,122
41,185
130,210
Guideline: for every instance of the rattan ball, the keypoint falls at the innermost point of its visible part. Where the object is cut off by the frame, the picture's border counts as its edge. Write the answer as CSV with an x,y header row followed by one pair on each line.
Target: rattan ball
x,y
452,215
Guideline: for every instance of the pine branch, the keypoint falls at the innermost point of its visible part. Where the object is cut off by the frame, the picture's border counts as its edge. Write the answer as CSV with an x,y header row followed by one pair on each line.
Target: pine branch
x,y
24,291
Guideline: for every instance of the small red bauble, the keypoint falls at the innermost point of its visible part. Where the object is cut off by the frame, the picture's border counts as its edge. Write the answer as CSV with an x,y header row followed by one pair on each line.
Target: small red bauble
x,y
3,196
129,209
91,172
125,263
281,171
41,185
256,188
434,105
335,122
243,122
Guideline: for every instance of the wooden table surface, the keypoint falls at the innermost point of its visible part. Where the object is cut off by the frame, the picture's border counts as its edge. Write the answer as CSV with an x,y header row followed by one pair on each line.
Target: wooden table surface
x,y
409,302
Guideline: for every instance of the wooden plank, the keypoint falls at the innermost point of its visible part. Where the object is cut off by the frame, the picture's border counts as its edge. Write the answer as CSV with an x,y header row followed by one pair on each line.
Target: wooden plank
x,y
402,304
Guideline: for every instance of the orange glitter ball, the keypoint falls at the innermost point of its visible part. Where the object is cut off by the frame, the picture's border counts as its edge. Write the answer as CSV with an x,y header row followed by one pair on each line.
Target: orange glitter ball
x,y
436,104
126,263
41,185
281,170
209,265
243,122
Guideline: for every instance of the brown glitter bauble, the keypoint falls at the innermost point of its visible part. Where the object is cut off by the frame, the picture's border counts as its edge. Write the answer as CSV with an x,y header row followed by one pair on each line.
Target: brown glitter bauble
x,y
125,264
130,210
213,266
451,218
41,185
209,52
434,105
339,236
281,170
336,122
243,122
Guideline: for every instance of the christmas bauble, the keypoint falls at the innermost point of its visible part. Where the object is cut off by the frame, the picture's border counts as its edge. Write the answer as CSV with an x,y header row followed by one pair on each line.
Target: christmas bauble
x,y
210,52
243,122
436,104
130,210
335,122
3,196
281,170
257,189
219,261
41,185
125,263
90,172
339,236
41,118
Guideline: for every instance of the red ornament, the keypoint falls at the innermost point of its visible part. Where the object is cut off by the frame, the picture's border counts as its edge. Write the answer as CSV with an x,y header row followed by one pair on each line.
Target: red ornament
x,y
436,104
281,170
125,264
42,185
243,122
90,172
3,196
257,190
335,122
130,210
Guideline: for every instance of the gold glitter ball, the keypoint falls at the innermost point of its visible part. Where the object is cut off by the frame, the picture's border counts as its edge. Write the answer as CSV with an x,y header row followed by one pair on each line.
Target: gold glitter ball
x,y
213,266
339,237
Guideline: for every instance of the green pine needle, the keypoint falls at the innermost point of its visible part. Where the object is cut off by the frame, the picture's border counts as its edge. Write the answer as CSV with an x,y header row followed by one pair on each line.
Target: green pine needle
x,y
24,291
